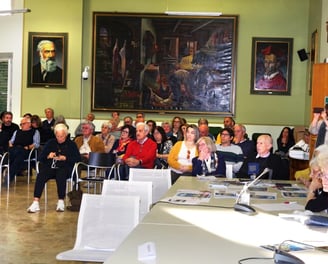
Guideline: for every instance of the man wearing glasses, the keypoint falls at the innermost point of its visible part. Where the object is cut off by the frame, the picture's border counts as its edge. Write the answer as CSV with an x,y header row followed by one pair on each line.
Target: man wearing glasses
x,y
232,154
22,142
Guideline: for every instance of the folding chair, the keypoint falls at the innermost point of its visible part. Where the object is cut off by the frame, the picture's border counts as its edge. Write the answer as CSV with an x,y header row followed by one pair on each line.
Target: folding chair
x,y
161,180
103,223
31,159
128,188
4,169
97,168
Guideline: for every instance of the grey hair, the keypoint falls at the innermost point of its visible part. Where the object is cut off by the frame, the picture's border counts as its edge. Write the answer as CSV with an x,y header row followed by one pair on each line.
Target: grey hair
x,y
86,122
145,126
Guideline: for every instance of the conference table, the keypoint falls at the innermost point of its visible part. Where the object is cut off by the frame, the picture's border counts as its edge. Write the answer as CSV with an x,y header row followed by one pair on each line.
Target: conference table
x,y
214,232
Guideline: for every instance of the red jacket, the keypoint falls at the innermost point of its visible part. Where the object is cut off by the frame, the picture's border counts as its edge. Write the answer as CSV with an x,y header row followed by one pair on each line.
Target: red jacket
x,y
145,152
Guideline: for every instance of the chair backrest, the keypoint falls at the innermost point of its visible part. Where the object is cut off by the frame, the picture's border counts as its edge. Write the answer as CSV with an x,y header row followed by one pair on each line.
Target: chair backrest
x,y
161,180
128,188
105,221
98,159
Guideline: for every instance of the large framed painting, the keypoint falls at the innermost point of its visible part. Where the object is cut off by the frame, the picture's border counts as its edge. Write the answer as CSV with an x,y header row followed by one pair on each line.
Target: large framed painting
x,y
47,59
161,63
271,66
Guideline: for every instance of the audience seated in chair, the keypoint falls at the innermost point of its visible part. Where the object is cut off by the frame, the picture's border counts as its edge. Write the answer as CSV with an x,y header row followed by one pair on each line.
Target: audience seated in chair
x,y
7,130
87,142
317,197
164,146
20,145
209,161
57,160
284,142
228,122
204,131
182,153
167,126
232,153
47,130
241,139
140,153
265,159
106,137
90,117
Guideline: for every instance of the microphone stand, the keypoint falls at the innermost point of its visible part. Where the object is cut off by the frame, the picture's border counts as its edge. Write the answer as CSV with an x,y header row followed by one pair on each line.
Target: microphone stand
x,y
244,196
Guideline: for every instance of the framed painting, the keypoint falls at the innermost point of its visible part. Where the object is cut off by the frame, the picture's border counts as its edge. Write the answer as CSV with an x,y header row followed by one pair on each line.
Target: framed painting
x,y
47,59
313,57
165,64
271,66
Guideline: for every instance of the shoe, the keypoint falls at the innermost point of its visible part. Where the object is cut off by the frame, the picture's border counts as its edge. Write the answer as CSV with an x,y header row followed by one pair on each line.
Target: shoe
x,y
60,206
35,207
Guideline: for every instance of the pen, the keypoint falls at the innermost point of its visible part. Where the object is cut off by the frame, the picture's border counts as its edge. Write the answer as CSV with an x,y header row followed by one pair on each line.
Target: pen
x,y
287,202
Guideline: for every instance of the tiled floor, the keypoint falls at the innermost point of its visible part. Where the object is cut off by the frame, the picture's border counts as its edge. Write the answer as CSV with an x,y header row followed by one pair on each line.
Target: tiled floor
x,y
33,238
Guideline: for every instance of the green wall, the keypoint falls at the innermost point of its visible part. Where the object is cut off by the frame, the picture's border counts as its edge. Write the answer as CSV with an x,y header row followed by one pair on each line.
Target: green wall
x,y
55,16
257,18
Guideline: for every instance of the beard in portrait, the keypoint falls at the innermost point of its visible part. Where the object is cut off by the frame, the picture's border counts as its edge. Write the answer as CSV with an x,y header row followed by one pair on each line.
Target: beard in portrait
x,y
46,70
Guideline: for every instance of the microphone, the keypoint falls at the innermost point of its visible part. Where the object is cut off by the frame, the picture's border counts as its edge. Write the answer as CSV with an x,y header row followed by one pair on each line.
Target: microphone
x,y
242,201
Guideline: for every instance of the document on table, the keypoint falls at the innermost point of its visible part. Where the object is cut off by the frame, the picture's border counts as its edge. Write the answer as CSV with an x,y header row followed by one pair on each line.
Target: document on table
x,y
189,197
279,206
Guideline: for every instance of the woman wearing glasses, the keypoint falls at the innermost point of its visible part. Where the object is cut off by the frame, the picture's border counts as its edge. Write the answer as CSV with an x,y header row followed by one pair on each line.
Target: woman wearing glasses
x,y
128,134
317,198
183,152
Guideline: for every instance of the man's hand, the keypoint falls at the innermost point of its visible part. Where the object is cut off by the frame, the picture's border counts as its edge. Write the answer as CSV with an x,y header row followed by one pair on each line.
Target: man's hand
x,y
132,162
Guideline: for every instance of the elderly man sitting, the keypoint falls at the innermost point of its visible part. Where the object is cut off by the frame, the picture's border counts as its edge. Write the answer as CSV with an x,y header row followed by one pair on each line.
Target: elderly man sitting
x,y
264,159
140,153
20,145
87,142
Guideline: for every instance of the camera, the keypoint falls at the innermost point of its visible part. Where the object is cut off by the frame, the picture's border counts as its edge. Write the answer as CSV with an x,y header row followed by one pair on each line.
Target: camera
x,y
85,73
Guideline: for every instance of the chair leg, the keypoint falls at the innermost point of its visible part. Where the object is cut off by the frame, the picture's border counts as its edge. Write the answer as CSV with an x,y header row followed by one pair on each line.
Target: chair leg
x,y
45,194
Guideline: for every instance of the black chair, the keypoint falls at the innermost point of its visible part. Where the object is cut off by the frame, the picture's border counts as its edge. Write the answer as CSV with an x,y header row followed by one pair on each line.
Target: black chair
x,y
98,167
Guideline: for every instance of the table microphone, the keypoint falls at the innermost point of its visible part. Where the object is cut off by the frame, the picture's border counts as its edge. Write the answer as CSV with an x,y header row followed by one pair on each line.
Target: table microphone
x,y
242,206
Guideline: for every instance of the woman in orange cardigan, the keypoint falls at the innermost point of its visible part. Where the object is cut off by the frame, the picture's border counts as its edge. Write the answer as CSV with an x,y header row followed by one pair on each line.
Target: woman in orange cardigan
x,y
183,152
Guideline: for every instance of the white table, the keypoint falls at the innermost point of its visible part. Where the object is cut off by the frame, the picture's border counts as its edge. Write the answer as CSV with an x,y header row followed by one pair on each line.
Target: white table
x,y
197,234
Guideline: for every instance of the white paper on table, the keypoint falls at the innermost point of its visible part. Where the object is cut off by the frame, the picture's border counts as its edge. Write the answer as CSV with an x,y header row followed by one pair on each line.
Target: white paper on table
x,y
279,206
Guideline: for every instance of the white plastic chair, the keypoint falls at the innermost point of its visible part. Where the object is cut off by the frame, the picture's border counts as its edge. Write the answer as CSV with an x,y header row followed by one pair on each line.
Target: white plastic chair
x,y
4,167
103,223
32,158
141,189
161,179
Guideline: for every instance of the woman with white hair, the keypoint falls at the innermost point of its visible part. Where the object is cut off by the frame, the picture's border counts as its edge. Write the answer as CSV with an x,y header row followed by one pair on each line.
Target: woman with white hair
x,y
209,161
57,160
106,137
317,198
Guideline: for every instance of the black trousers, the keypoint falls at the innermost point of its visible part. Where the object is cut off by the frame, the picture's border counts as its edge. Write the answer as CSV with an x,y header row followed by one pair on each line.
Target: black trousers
x,y
46,173
17,156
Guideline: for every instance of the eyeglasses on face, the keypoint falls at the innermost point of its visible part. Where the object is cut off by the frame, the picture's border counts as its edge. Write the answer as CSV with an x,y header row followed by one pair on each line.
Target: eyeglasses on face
x,y
225,134
125,132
